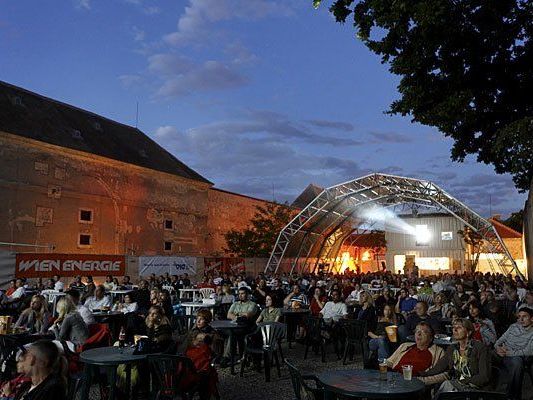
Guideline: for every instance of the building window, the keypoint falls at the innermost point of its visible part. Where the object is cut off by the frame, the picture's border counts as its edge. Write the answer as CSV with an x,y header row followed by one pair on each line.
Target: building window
x,y
84,239
168,246
168,224
86,216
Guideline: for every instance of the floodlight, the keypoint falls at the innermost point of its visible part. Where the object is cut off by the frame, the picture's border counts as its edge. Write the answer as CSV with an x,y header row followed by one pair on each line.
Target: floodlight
x,y
422,234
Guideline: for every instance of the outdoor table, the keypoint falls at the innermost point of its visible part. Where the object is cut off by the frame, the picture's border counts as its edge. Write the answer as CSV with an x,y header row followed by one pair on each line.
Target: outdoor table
x,y
437,340
190,306
188,293
109,358
232,329
365,383
291,317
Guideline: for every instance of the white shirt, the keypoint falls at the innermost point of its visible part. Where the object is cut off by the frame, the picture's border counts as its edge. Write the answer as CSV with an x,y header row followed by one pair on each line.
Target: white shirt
x,y
18,293
59,286
86,314
92,303
334,311
126,308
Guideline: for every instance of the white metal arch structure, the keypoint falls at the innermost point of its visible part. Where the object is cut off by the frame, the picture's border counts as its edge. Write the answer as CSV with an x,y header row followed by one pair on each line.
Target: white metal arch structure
x,y
335,206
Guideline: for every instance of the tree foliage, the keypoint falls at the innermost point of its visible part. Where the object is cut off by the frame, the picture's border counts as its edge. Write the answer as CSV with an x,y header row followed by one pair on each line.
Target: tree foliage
x,y
515,221
258,239
466,67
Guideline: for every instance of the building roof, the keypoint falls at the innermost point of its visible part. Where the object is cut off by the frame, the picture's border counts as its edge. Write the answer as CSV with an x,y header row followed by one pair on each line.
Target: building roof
x,y
33,116
307,196
504,231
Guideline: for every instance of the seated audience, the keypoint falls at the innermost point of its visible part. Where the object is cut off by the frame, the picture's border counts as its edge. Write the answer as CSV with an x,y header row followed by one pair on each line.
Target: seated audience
x,y
422,354
367,312
318,301
158,328
378,336
69,324
465,366
441,307
47,369
405,303
269,313
109,285
243,308
36,318
514,345
260,292
58,285
335,309
414,319
86,314
296,298
128,306
77,284
484,330
99,301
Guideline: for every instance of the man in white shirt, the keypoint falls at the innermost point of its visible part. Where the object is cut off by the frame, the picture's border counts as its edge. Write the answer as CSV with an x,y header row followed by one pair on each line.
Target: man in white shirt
x,y
334,310
16,296
58,285
85,313
99,300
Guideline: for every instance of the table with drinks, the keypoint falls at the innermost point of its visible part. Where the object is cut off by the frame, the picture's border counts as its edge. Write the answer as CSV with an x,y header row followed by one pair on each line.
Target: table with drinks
x,y
371,384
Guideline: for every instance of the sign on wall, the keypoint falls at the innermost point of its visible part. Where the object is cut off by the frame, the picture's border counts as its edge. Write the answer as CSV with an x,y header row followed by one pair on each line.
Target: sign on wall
x,y
160,265
47,265
446,235
221,265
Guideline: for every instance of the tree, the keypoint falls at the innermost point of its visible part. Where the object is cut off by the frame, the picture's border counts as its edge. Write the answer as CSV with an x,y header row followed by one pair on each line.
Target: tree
x,y
466,68
258,239
474,243
515,221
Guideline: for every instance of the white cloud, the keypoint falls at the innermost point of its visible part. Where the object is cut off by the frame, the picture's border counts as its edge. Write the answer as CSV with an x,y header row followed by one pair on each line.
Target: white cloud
x,y
85,4
130,80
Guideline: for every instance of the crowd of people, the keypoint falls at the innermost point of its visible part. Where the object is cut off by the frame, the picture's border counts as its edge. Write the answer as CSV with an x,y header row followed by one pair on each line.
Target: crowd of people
x,y
487,318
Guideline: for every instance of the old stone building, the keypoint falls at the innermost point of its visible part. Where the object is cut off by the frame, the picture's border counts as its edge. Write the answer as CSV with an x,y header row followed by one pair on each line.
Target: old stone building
x,y
75,182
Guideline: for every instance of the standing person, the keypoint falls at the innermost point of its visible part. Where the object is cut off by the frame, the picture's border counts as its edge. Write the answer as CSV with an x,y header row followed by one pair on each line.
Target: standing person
x,y
47,369
465,365
513,347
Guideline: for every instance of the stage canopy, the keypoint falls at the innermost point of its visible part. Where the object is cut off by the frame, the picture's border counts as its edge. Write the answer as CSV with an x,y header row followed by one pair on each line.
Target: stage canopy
x,y
341,210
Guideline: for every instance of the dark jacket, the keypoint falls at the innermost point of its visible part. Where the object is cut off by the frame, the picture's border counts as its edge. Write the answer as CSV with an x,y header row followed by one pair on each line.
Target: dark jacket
x,y
478,364
50,388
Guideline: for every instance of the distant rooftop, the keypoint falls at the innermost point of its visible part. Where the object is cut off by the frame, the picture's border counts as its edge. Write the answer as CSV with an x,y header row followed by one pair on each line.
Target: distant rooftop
x,y
33,116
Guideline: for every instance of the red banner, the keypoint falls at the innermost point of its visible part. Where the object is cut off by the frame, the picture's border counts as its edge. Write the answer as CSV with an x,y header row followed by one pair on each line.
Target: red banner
x,y
48,265
230,265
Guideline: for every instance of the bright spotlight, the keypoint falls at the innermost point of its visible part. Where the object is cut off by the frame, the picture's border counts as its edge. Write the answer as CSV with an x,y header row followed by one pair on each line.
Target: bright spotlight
x,y
422,234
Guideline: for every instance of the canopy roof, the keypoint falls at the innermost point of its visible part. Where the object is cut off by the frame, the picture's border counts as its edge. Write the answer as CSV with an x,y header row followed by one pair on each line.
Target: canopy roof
x,y
334,214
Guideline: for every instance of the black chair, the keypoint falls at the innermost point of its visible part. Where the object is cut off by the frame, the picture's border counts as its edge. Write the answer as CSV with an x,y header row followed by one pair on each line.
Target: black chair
x,y
355,337
313,336
74,385
172,377
272,334
302,390
472,396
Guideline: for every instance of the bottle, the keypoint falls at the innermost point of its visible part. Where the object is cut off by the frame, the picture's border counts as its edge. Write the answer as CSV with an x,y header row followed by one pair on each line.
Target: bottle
x,y
122,338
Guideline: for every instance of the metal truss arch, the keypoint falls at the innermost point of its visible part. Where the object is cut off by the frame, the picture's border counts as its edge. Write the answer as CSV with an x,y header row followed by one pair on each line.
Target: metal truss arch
x,y
337,204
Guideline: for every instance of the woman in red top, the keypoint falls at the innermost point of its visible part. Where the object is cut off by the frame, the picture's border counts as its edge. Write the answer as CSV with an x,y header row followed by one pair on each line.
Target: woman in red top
x,y
318,301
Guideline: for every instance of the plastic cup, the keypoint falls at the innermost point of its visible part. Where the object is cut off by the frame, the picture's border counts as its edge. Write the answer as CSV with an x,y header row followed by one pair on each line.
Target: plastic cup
x,y
392,333
407,372
383,370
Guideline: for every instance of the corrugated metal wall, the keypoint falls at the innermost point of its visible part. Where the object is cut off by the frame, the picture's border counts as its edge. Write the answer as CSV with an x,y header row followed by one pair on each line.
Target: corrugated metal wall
x,y
404,243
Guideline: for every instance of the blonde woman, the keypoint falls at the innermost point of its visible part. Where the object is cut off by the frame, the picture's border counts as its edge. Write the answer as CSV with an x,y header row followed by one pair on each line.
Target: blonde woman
x,y
36,318
69,324
158,327
367,312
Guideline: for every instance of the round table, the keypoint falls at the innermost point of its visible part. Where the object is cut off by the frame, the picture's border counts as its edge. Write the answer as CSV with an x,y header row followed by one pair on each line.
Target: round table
x,y
232,329
292,316
365,383
109,358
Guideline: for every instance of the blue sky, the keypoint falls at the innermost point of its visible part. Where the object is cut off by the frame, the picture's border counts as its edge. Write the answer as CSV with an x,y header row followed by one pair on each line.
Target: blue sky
x,y
261,97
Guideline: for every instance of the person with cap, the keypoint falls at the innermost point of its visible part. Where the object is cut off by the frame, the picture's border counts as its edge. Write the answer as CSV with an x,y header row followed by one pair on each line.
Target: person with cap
x,y
514,347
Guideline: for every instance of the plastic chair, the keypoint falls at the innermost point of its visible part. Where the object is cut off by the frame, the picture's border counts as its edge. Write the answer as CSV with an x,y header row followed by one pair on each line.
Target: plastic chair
x,y
301,388
272,334
206,292
472,396
173,376
313,337
355,336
